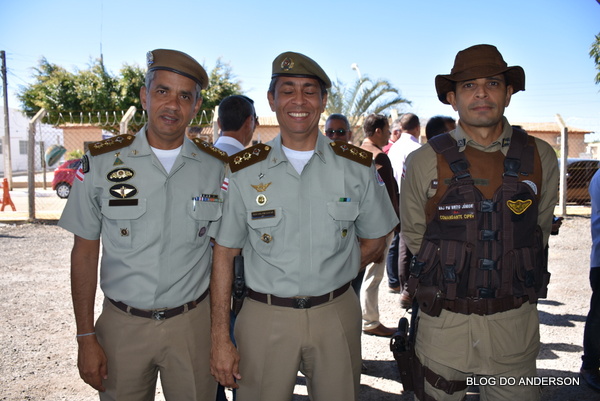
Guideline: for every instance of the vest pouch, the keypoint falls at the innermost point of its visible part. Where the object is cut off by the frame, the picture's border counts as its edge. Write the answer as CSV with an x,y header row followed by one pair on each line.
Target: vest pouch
x,y
430,300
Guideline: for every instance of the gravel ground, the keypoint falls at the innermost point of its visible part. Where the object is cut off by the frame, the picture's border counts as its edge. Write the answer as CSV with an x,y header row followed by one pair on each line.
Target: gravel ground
x,y
38,348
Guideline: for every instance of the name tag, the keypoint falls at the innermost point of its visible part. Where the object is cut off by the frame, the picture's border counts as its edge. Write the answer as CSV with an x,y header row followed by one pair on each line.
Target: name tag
x,y
264,214
123,202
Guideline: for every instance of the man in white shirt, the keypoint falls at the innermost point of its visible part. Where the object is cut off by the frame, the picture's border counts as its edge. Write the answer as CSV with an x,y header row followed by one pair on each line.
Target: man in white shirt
x,y
408,142
237,121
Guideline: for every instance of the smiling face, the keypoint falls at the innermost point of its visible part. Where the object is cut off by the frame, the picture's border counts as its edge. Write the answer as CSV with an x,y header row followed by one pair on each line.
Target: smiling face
x,y
171,102
298,104
480,103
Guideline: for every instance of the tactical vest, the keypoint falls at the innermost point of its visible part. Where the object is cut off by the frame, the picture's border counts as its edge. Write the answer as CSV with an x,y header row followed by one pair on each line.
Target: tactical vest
x,y
482,251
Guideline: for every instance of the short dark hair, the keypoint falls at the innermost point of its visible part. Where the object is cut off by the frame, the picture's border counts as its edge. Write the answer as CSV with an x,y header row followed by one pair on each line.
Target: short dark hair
x,y
234,111
437,125
273,83
372,122
341,117
409,121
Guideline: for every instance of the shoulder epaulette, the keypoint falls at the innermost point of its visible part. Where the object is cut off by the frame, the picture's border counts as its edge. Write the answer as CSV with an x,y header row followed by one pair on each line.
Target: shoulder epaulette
x,y
110,144
211,150
248,157
352,152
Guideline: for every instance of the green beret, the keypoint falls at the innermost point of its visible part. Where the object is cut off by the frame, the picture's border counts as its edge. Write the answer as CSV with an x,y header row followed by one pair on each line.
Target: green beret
x,y
177,62
292,64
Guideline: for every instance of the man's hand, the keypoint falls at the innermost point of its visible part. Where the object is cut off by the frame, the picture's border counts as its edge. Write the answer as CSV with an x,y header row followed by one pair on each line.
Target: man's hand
x,y
224,363
91,361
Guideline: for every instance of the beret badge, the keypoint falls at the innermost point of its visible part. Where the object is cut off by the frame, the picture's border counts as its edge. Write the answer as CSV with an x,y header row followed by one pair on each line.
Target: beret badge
x,y
287,64
149,59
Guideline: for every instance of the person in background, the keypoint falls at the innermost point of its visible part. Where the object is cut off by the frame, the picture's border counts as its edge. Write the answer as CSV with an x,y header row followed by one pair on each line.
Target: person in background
x,y
337,128
377,134
407,143
591,336
237,121
154,199
476,207
439,125
396,132
306,213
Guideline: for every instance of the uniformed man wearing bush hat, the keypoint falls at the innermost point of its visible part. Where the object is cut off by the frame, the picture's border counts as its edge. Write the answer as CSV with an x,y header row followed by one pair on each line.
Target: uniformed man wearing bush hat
x,y
306,213
155,200
476,209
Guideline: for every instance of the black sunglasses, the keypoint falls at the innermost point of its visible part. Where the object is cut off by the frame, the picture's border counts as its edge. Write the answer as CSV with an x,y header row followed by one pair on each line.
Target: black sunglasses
x,y
332,132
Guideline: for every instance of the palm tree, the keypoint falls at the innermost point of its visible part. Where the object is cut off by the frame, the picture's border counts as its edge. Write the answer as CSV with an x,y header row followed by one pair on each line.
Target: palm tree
x,y
364,97
595,54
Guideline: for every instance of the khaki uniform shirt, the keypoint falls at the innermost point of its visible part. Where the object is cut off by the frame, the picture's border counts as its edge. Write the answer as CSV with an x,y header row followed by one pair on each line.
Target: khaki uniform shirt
x,y
299,232
421,171
155,227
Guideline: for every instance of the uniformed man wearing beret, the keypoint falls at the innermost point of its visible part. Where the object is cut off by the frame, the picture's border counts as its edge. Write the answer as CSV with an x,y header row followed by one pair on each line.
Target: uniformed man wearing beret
x,y
154,199
306,213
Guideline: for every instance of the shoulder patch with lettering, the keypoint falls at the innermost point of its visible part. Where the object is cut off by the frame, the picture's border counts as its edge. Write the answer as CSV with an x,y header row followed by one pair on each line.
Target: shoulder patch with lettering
x,y
352,152
211,150
248,157
110,144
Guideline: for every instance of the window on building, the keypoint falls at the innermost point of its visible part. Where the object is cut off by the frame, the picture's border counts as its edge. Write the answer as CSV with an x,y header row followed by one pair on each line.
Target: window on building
x,y
23,147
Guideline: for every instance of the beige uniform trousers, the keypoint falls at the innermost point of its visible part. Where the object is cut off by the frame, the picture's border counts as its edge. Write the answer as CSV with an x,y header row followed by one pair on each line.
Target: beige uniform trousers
x,y
495,347
369,290
322,342
139,348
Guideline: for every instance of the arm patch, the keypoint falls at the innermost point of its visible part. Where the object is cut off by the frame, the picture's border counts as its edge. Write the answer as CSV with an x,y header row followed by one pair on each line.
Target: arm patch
x,y
352,152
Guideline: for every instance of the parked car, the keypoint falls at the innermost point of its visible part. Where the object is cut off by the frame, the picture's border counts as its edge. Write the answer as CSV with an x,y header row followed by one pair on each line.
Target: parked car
x,y
579,174
64,176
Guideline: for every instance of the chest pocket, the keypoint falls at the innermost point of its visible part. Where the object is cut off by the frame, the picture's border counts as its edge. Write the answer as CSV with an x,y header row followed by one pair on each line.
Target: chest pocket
x,y
202,214
124,226
267,228
341,228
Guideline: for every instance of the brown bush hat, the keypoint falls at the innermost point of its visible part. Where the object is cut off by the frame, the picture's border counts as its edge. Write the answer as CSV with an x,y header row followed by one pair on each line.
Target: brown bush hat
x,y
298,65
479,61
177,62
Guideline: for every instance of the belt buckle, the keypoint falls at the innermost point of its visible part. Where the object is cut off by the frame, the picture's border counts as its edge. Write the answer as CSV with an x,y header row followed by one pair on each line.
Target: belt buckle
x,y
158,314
302,302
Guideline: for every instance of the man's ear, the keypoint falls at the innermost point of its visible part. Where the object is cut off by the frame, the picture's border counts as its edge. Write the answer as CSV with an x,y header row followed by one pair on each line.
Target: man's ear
x,y
143,96
271,99
509,92
451,98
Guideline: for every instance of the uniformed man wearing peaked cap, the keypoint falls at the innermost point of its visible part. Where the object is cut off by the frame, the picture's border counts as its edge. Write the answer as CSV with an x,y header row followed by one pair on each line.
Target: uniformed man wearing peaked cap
x,y
295,207
155,199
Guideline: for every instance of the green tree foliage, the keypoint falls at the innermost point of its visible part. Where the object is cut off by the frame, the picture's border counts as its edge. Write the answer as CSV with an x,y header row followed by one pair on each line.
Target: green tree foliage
x,y
595,54
364,97
95,93
222,84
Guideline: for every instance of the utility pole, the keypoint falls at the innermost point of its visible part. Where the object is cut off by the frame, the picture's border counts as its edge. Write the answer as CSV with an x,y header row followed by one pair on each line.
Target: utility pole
x,y
6,140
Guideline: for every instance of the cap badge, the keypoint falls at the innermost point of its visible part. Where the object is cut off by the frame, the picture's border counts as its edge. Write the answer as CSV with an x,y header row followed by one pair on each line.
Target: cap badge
x,y
149,59
287,64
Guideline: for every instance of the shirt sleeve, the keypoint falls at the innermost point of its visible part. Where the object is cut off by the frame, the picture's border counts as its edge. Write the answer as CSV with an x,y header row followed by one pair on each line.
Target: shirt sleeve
x,y
420,172
549,194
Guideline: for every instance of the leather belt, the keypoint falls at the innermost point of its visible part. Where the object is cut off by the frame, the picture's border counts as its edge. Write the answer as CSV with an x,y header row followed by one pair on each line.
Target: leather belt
x,y
297,302
484,306
159,314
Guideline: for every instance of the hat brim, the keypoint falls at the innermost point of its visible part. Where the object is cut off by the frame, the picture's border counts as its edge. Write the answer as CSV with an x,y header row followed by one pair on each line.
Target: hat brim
x,y
515,77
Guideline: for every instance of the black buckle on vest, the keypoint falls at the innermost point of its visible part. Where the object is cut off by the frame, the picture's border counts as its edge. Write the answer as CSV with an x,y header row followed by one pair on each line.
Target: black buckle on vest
x,y
486,293
488,235
460,169
512,167
449,274
529,279
486,264
416,267
487,206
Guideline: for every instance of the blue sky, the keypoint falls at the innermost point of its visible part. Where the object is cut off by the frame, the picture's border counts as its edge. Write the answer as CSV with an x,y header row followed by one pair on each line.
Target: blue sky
x,y
405,42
